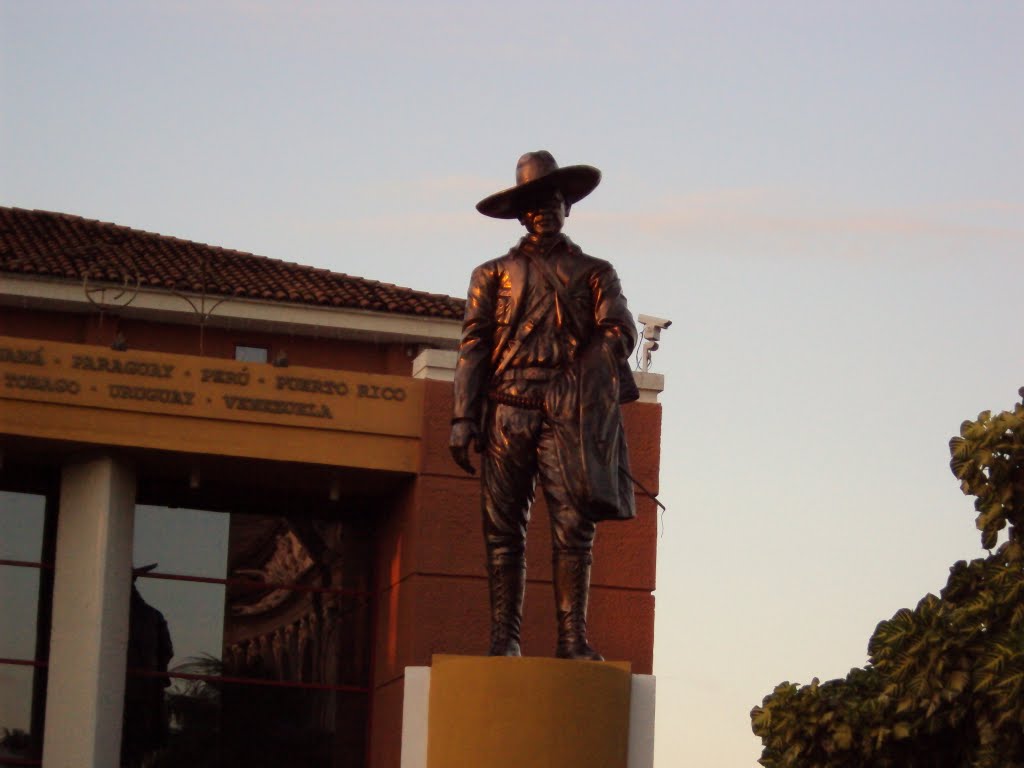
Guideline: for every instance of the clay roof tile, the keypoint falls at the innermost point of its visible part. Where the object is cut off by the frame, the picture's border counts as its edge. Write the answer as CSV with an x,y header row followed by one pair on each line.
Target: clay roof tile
x,y
74,248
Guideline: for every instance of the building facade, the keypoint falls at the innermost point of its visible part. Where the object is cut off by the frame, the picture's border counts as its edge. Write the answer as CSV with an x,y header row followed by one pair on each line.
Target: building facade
x,y
273,437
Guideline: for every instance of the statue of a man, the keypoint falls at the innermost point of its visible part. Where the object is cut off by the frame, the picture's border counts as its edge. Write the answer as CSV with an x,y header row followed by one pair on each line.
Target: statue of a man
x,y
541,373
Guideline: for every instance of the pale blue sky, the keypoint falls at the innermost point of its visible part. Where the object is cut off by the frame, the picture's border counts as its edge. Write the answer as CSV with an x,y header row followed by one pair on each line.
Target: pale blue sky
x,y
825,197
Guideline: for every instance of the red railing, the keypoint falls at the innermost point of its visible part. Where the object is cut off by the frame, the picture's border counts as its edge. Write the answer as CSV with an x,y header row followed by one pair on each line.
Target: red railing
x,y
27,564
256,586
19,761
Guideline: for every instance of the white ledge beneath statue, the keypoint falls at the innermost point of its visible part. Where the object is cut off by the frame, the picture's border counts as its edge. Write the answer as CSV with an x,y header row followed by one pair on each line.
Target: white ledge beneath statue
x,y
439,364
507,712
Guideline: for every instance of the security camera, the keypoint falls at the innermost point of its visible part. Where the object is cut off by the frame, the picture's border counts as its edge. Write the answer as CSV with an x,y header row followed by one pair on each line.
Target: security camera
x,y
652,334
657,322
653,326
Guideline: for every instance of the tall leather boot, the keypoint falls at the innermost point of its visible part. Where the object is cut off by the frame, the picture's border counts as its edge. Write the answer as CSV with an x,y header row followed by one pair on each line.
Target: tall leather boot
x,y
572,588
507,583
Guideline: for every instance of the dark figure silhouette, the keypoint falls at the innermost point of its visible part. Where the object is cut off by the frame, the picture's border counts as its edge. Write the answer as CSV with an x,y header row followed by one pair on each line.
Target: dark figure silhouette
x,y
149,651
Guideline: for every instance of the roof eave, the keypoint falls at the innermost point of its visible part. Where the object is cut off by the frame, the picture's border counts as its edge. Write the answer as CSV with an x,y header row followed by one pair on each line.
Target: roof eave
x,y
33,292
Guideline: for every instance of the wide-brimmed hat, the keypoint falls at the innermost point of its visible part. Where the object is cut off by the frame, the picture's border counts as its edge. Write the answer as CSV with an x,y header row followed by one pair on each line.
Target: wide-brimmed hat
x,y
537,174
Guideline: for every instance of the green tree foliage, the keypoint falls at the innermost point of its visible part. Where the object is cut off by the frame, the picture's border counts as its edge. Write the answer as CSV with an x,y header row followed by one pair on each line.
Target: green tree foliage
x,y
944,686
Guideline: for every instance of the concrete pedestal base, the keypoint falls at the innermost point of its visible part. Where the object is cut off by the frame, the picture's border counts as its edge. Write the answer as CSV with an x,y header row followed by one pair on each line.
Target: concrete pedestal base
x,y
514,712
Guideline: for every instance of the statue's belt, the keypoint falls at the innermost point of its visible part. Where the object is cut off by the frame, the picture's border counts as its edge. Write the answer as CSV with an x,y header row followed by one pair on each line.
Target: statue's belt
x,y
530,373
518,401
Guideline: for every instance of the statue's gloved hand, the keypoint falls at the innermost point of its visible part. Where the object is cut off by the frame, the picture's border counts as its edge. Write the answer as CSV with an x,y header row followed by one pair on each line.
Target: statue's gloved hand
x,y
464,433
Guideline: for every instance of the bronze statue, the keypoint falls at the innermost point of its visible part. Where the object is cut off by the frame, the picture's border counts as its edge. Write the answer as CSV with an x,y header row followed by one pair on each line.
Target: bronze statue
x,y
542,370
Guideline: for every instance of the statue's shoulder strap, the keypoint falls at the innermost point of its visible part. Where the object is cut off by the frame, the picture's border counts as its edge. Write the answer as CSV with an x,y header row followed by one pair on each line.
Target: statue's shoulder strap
x,y
529,320
558,286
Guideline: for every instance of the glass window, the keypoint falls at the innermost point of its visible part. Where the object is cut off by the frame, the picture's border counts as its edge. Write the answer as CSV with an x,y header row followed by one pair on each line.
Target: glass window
x,y
251,354
15,708
22,516
270,621
19,595
193,542
26,588
187,544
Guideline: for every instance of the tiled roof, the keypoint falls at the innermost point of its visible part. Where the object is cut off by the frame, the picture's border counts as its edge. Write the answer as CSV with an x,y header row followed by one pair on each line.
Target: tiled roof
x,y
58,245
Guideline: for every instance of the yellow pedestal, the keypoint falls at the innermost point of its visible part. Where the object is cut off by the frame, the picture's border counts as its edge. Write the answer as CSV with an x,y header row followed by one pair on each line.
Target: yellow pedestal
x,y
527,712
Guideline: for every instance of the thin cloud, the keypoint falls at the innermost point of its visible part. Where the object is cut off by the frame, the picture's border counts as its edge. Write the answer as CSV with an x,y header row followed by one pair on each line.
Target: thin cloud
x,y
745,212
462,185
450,190
406,222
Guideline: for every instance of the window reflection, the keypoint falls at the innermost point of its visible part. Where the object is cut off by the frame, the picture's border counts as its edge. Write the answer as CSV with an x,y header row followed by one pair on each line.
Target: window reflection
x,y
270,622
194,614
15,706
304,632
145,726
191,542
184,543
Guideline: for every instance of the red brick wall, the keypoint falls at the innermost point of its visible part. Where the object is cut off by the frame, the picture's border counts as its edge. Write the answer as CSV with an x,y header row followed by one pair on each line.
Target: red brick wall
x,y
91,328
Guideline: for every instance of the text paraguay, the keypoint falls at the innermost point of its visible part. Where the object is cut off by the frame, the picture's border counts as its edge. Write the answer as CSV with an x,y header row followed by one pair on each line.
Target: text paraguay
x,y
126,367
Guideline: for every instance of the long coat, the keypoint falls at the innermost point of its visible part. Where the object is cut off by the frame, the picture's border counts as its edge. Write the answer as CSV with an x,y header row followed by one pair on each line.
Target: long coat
x,y
583,401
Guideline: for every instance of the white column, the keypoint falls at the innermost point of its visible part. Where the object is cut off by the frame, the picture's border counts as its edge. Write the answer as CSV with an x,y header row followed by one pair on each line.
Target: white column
x,y
89,638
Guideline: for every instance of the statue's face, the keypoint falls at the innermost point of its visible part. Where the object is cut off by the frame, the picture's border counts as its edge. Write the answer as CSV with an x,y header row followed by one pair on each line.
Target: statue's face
x,y
547,216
